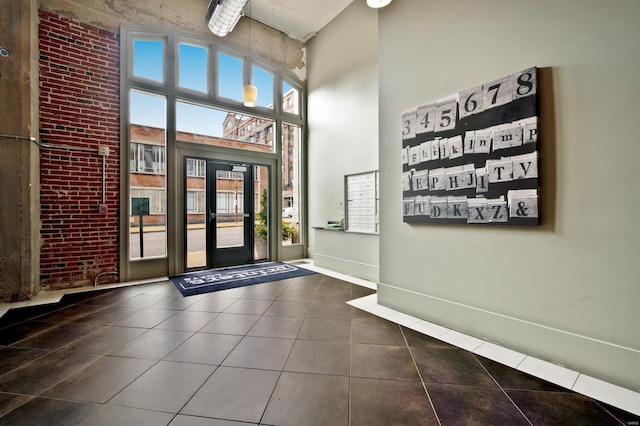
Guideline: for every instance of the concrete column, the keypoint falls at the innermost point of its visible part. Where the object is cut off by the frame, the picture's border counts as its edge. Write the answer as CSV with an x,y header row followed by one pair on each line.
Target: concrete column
x,y
19,158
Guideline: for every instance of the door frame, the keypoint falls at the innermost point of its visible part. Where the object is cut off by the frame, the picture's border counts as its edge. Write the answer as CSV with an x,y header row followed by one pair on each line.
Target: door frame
x,y
185,150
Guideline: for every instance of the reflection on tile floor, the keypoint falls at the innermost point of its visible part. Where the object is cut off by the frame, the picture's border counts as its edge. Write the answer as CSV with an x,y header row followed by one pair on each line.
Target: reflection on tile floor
x,y
289,352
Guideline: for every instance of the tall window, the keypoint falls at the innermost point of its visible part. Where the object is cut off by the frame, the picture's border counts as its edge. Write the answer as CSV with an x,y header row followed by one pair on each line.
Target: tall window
x,y
189,91
147,170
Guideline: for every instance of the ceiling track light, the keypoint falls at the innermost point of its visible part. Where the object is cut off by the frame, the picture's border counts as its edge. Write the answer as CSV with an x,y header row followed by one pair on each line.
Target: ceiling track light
x,y
223,15
376,4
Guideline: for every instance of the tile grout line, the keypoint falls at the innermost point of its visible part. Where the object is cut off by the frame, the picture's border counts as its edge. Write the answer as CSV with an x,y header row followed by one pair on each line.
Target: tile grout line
x,y
502,389
424,385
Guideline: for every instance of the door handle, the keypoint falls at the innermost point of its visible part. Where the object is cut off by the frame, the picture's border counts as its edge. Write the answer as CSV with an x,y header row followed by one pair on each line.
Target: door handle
x,y
213,215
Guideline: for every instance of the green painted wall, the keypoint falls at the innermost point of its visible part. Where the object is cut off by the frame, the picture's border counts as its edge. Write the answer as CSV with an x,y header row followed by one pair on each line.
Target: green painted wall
x,y
567,291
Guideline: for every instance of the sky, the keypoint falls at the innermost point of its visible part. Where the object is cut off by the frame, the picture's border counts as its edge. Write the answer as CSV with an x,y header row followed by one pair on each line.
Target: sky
x,y
147,109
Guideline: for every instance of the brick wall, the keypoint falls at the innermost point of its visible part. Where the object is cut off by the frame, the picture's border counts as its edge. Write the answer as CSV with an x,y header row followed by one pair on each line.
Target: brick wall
x,y
79,107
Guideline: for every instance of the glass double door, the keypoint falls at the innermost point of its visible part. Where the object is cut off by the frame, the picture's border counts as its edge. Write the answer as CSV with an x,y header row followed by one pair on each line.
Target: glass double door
x,y
230,232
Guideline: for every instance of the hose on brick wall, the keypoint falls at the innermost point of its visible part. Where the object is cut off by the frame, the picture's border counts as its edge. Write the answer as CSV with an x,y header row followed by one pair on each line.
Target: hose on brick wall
x,y
95,280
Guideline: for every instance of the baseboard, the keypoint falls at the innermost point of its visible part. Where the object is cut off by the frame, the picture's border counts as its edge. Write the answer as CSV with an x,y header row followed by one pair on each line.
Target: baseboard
x,y
603,360
347,266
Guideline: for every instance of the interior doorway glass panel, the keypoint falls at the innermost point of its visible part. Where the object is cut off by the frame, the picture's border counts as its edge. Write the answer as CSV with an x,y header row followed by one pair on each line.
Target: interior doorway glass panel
x,y
196,204
261,207
230,215
230,209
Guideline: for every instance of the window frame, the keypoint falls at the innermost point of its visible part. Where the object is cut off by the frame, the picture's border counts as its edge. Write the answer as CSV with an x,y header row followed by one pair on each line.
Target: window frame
x,y
170,88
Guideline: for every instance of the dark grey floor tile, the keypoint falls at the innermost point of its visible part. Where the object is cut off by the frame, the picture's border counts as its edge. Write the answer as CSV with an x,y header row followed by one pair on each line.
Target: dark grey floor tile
x,y
101,380
39,375
10,402
382,362
249,306
471,405
47,412
212,304
333,296
105,340
359,314
510,378
165,288
140,301
119,295
167,386
307,282
225,323
379,331
11,357
319,357
70,313
283,327
27,313
145,318
330,310
260,352
108,315
233,394
330,330
266,291
330,283
153,344
309,399
177,302
561,408
110,415
288,309
235,293
450,366
187,321
358,291
182,420
205,348
290,295
389,402
57,337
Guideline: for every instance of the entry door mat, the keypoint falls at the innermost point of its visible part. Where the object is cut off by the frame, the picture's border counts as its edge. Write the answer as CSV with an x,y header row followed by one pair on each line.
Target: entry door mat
x,y
226,278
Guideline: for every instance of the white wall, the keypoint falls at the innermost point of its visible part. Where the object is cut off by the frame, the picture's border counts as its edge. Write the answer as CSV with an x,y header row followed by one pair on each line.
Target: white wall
x,y
568,291
342,82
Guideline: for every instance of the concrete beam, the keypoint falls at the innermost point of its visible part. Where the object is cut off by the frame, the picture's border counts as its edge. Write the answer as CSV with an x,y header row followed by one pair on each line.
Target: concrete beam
x,y
19,162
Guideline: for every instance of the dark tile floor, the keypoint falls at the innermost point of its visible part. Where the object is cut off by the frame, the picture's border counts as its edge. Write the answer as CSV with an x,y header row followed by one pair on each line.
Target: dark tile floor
x,y
283,353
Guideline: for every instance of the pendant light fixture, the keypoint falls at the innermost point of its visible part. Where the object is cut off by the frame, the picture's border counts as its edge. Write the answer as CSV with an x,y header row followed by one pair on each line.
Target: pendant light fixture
x,y
376,4
250,95
250,92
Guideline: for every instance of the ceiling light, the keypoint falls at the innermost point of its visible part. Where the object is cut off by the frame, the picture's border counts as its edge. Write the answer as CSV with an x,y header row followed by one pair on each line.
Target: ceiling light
x,y
223,15
378,3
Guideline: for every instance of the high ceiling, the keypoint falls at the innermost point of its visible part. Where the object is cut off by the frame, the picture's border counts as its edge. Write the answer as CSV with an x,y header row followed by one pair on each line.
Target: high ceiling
x,y
300,19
